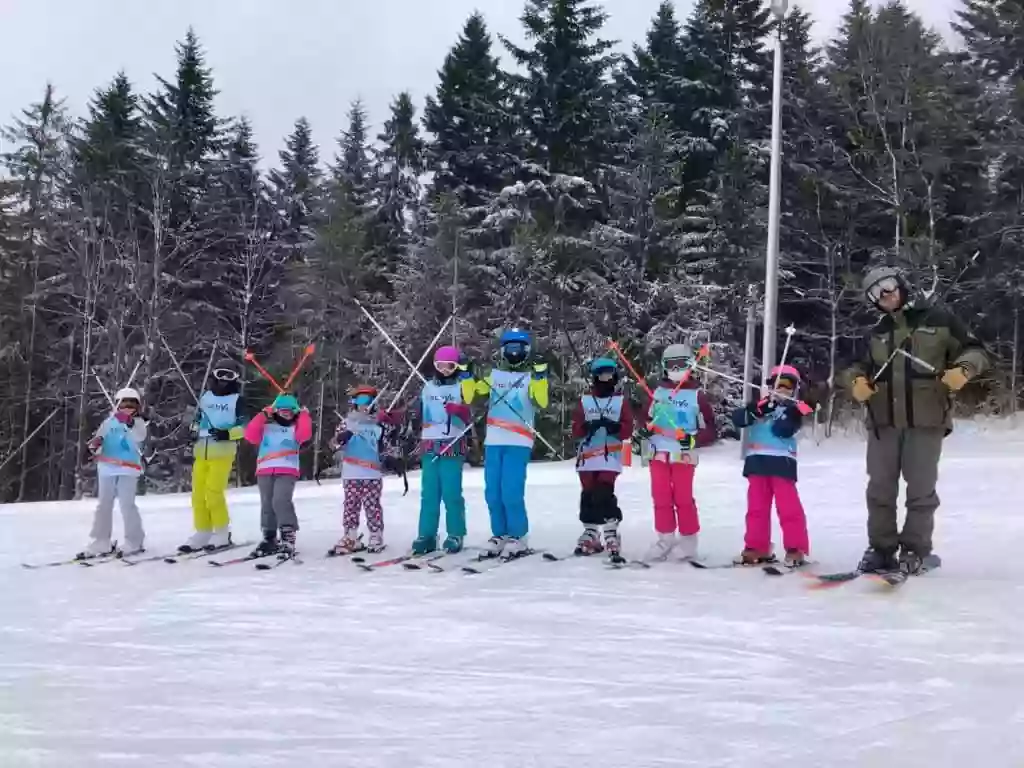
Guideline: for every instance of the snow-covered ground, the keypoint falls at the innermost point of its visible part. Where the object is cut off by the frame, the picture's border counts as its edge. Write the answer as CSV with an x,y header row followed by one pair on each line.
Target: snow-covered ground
x,y
536,663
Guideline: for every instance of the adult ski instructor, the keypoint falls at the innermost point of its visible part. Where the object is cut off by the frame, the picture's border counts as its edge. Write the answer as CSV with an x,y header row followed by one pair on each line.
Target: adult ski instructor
x,y
917,356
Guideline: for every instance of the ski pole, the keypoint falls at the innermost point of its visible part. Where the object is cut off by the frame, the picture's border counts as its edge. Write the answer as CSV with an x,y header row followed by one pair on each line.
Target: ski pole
x,y
177,365
790,330
251,358
389,340
415,371
915,359
31,434
751,385
135,370
306,354
106,394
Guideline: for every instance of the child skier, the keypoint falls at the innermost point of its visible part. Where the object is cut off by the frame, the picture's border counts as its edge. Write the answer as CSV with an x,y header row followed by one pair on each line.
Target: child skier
x,y
602,425
770,468
117,450
218,429
674,421
279,430
360,440
445,414
514,389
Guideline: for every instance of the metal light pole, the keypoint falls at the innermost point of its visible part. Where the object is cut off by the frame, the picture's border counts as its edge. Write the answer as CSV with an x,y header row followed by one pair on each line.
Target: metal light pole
x,y
771,266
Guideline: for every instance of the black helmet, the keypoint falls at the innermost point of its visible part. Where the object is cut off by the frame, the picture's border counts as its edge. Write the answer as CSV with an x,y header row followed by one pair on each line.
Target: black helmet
x,y
225,378
885,279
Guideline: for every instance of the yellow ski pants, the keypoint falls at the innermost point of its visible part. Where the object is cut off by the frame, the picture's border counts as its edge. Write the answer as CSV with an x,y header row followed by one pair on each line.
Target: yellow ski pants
x,y
210,475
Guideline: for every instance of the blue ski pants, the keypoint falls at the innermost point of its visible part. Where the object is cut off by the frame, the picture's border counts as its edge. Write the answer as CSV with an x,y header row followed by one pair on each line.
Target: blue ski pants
x,y
505,488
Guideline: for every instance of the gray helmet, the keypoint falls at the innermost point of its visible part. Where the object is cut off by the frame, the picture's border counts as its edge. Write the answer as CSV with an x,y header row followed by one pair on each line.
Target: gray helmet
x,y
881,275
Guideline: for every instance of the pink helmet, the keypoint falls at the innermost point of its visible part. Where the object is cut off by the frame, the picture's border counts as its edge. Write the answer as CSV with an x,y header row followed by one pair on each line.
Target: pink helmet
x,y
447,355
785,372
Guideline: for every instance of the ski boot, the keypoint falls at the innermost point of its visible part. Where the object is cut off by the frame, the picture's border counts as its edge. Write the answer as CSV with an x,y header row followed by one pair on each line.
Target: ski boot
x,y
97,548
349,543
515,547
266,547
131,549
589,542
754,557
794,558
495,546
910,562
452,545
287,549
878,561
686,548
376,542
424,545
612,543
220,539
661,549
196,542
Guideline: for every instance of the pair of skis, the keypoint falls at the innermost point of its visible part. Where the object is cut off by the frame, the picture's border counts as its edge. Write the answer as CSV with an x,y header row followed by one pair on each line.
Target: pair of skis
x,y
887,579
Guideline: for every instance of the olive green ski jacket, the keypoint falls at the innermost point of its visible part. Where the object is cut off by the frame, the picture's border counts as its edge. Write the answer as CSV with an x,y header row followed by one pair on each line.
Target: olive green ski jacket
x,y
910,392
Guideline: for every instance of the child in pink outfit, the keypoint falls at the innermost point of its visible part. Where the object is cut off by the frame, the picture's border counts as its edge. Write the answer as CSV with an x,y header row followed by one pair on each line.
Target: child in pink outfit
x,y
771,471
279,430
674,428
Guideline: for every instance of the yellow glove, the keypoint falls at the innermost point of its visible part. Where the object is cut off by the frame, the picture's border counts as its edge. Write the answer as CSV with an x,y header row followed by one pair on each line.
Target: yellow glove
x,y
955,378
862,389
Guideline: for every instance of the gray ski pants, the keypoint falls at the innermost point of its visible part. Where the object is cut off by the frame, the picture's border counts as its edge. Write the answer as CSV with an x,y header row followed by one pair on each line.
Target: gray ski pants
x,y
276,506
913,453
120,488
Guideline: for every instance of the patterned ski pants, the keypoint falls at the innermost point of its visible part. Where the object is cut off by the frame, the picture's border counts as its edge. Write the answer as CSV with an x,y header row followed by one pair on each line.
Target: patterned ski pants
x,y
365,495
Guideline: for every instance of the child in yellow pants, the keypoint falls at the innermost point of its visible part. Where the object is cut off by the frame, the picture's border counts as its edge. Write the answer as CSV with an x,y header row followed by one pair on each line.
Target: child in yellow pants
x,y
218,429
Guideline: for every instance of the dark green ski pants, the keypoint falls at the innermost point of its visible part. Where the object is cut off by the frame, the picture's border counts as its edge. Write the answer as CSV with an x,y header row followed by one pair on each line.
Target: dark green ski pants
x,y
913,453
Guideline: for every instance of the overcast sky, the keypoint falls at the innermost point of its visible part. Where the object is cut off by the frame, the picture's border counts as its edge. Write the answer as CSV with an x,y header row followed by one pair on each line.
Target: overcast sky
x,y
274,64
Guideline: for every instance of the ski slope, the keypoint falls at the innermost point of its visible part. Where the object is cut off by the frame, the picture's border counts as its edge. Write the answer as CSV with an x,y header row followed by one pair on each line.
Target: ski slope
x,y
535,663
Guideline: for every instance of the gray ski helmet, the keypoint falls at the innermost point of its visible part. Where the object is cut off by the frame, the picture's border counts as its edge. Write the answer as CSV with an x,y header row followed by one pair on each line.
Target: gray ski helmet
x,y
883,277
676,356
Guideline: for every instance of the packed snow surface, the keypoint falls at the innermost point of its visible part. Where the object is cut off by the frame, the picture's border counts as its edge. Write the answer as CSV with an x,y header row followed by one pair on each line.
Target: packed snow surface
x,y
535,663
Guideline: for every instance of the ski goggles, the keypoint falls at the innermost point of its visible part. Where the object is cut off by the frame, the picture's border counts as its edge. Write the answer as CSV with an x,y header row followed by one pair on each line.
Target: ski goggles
x,y
516,348
882,287
678,363
445,368
361,401
225,374
133,404
605,374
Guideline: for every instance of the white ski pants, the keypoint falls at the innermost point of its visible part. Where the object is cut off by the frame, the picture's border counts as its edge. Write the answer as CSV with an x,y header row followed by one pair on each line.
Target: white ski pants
x,y
120,488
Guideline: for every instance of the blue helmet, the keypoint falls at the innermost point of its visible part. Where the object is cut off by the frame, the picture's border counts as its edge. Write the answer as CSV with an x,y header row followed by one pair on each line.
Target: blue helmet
x,y
603,364
513,335
515,345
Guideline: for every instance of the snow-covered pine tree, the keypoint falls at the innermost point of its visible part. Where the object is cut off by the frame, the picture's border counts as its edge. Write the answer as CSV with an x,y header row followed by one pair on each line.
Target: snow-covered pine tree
x,y
297,187
564,95
472,150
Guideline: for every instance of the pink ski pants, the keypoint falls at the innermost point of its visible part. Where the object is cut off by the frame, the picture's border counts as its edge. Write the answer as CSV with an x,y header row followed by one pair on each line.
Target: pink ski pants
x,y
672,491
760,493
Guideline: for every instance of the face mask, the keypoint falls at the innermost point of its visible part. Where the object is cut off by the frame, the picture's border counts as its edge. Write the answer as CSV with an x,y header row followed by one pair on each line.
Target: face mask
x,y
677,375
884,286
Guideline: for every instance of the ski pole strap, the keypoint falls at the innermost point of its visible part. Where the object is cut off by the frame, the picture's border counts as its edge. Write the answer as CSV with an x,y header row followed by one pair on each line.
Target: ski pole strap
x,y
118,462
276,455
593,453
511,426
365,464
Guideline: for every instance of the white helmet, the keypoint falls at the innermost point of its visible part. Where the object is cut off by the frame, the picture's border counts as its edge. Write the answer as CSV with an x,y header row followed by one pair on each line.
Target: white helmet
x,y
127,394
